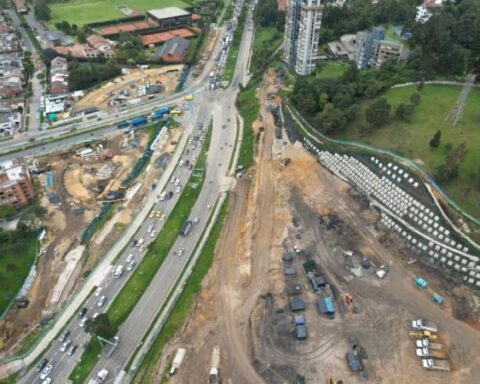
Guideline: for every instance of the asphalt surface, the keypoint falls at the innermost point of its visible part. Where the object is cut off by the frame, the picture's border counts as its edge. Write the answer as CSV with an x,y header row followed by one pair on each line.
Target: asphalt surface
x,y
220,105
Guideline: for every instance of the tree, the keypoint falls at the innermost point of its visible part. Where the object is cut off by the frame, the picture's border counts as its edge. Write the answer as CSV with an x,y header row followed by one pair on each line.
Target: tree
x,y
449,170
415,98
376,114
435,140
404,111
331,120
100,326
42,11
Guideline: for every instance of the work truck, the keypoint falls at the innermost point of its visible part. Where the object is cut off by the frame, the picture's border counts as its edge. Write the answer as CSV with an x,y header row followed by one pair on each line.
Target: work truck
x,y
424,325
100,378
426,343
423,334
438,365
425,352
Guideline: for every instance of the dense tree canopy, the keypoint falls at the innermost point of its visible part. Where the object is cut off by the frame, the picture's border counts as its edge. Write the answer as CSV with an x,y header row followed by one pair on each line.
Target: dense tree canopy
x,y
85,75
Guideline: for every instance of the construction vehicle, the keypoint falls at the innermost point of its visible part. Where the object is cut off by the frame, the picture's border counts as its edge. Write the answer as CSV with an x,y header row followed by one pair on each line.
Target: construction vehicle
x,y
423,334
424,325
425,343
425,352
215,363
439,365
178,360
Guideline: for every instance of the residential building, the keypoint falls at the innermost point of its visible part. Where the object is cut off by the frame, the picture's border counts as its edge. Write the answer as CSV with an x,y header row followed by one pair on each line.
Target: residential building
x,y
15,186
10,122
101,44
21,7
173,51
58,76
302,32
59,38
169,17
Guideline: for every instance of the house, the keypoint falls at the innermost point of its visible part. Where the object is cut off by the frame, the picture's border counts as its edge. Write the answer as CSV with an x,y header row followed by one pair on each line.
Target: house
x,y
20,6
15,186
58,76
10,122
59,38
101,44
174,50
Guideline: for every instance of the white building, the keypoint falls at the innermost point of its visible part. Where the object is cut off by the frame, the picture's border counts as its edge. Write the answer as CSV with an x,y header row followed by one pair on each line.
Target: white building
x,y
302,32
423,14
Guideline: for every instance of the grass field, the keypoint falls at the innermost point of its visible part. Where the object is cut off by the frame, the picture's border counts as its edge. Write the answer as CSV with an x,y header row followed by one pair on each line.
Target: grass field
x,y
331,69
17,253
89,11
184,304
411,139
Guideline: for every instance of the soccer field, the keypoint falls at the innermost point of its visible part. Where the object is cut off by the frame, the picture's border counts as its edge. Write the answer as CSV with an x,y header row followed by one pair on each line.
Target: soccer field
x,y
82,12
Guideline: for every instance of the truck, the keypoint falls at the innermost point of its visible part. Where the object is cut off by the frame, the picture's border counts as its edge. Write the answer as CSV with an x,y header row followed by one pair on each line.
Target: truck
x,y
186,228
425,343
178,360
139,121
214,374
423,334
100,378
123,124
425,352
438,365
424,325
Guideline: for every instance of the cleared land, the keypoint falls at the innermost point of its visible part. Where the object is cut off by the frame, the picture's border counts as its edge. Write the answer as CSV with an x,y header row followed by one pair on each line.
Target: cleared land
x,y
88,11
411,139
331,69
17,253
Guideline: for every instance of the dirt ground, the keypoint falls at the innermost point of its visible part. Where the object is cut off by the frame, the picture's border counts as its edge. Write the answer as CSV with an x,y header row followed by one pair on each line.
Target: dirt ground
x,y
100,98
75,184
243,306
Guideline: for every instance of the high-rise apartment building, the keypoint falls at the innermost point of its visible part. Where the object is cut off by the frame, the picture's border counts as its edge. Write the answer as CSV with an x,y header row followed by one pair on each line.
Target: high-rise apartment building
x,y
302,32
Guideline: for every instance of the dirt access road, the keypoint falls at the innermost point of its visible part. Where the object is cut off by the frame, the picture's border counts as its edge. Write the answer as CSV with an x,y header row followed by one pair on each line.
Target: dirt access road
x,y
243,307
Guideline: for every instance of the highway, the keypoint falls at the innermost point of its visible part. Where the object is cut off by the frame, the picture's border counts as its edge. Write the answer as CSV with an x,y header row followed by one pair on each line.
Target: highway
x,y
220,105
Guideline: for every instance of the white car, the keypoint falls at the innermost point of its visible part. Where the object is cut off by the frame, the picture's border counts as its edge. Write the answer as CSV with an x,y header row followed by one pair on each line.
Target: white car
x,y
131,265
101,301
95,315
172,180
65,345
153,233
83,321
181,251
178,189
46,371
177,182
149,229
98,291
48,380
130,258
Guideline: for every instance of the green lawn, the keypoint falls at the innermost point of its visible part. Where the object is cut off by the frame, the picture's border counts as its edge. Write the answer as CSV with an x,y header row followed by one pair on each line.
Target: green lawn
x,y
331,69
17,254
89,11
87,361
248,106
411,139
175,321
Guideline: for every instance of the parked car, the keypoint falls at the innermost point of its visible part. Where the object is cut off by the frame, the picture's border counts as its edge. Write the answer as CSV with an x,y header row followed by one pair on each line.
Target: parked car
x,y
46,371
130,258
42,364
82,312
101,301
64,336
71,350
65,345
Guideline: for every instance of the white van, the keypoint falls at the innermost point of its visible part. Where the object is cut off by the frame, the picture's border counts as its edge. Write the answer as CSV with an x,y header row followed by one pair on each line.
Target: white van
x,y
118,271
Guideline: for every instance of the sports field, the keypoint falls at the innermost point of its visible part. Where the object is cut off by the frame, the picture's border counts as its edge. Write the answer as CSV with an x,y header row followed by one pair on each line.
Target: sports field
x,y
81,12
412,139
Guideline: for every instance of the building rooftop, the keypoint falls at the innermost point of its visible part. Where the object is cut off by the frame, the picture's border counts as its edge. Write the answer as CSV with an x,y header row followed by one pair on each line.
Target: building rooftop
x,y
161,37
176,46
167,13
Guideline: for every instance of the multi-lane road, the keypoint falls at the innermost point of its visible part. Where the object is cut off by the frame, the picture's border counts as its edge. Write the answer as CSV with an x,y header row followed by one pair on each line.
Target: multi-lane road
x,y
219,106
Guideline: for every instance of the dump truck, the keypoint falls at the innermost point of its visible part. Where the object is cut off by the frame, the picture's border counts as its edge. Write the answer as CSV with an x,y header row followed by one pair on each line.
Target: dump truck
x,y
425,352
423,334
214,373
178,360
424,325
425,343
433,364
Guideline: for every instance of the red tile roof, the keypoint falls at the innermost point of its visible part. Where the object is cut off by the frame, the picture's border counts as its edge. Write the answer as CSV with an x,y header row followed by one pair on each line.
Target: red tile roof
x,y
161,37
126,27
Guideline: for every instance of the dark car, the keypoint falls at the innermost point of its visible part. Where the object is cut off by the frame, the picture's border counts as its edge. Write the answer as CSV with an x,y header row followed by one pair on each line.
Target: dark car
x,y
42,364
169,195
82,312
64,336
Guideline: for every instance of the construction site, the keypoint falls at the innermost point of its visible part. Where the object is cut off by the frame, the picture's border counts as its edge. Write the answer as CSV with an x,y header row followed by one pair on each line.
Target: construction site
x,y
88,204
310,285
134,86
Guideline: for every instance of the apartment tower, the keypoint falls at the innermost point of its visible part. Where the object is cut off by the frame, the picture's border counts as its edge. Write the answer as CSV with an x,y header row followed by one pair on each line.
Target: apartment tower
x,y
302,31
